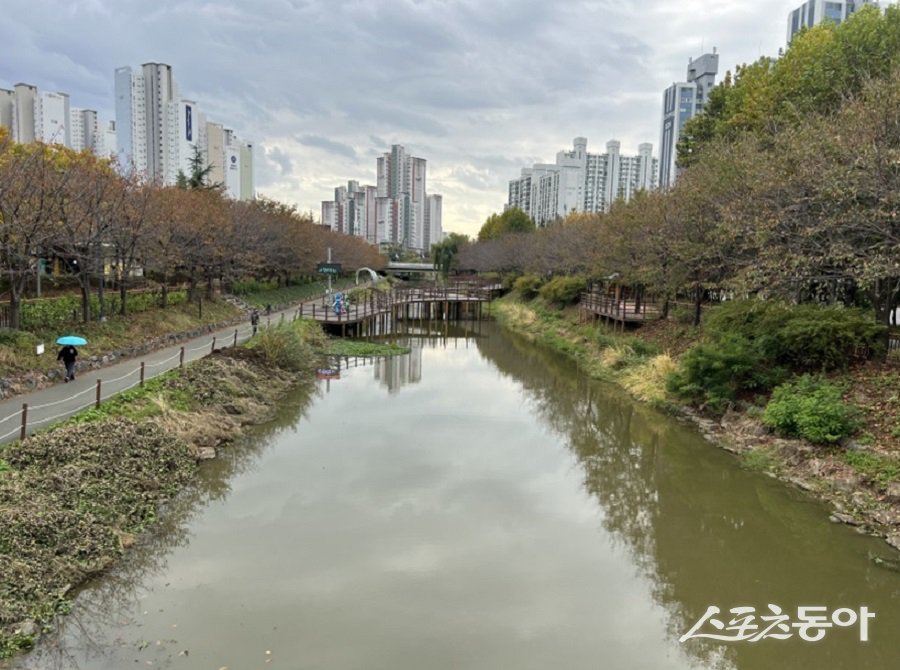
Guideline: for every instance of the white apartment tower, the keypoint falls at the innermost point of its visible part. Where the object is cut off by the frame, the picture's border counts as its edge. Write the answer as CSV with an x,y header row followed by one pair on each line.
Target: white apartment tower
x,y
814,12
582,182
681,101
159,132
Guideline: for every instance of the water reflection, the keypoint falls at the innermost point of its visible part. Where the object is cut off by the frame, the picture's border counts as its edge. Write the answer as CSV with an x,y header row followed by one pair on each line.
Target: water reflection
x,y
705,532
114,601
498,512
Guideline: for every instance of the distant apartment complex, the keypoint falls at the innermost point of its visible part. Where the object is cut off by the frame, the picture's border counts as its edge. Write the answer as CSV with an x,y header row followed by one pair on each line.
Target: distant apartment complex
x,y
582,182
398,210
813,12
31,115
681,101
159,132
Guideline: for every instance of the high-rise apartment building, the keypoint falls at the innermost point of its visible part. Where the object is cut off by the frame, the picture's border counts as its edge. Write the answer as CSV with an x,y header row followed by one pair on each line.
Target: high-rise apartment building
x,y
681,101
398,210
814,12
582,182
31,115
147,115
159,133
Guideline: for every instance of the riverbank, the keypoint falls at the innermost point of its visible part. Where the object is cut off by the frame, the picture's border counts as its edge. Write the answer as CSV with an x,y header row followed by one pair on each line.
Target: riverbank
x,y
74,497
859,479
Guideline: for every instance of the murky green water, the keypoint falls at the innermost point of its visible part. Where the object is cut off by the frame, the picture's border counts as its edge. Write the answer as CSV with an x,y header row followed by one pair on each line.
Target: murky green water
x,y
477,504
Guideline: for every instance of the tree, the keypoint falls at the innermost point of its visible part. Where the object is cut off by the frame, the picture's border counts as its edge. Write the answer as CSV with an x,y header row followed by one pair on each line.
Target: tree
x,y
444,253
198,179
512,220
30,188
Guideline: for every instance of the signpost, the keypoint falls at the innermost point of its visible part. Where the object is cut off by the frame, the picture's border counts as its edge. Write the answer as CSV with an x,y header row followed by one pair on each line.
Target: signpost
x,y
329,269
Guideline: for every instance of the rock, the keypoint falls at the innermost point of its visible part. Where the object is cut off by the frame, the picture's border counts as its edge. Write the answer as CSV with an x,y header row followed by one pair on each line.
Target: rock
x,y
839,517
859,499
893,490
801,483
29,628
206,453
817,467
233,409
887,517
846,483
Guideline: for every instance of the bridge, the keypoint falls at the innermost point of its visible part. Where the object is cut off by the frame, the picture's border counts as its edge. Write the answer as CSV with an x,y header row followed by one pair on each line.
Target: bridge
x,y
380,309
402,267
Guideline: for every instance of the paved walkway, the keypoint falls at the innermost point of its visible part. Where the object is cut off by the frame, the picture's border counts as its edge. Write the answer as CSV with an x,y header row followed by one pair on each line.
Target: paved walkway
x,y
60,401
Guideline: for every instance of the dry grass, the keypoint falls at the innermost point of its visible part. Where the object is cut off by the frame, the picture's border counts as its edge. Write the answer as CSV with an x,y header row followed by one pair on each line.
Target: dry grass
x,y
647,381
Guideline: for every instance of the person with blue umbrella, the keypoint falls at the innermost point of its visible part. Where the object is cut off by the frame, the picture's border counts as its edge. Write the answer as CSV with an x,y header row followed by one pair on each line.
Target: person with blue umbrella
x,y
68,354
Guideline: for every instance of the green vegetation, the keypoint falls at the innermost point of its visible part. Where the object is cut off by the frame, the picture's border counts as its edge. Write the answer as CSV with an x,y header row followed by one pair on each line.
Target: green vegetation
x,y
290,345
882,470
751,345
563,290
715,374
802,337
73,497
528,285
811,408
260,294
512,220
362,348
444,253
17,348
47,314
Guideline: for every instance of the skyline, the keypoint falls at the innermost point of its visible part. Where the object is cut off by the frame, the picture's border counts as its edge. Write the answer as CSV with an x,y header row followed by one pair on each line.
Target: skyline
x,y
324,88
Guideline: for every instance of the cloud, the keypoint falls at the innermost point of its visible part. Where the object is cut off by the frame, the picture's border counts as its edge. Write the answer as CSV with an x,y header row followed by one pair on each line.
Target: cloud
x,y
479,89
328,145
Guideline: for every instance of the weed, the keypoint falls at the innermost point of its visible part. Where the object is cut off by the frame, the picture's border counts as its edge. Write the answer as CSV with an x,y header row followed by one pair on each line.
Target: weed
x,y
880,469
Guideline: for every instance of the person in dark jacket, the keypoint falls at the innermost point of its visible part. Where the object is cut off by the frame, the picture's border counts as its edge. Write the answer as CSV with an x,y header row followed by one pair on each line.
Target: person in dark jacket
x,y
254,320
67,355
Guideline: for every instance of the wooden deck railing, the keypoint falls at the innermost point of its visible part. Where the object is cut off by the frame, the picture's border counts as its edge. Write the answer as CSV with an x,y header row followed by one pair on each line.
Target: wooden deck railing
x,y
619,309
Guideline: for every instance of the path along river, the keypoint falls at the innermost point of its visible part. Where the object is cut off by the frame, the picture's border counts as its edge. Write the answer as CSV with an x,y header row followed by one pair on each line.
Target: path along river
x,y
477,504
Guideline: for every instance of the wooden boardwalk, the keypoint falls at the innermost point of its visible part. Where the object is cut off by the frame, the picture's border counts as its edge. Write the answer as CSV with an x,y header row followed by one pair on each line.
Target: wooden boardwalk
x,y
381,308
622,310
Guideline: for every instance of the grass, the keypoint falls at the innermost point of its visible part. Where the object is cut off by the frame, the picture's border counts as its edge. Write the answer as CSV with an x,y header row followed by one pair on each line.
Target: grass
x,y
361,348
291,294
880,469
140,403
624,359
18,355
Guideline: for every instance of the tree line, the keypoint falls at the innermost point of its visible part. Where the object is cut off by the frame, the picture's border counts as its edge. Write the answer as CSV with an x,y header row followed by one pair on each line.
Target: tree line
x,y
789,187
59,203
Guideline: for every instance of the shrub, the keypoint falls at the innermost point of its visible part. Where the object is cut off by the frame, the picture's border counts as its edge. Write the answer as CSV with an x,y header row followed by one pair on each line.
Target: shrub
x,y
715,373
803,337
528,286
508,281
291,345
563,290
811,408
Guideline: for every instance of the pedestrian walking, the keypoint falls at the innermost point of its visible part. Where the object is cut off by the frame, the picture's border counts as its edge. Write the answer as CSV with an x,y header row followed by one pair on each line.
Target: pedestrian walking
x,y
254,320
67,355
268,310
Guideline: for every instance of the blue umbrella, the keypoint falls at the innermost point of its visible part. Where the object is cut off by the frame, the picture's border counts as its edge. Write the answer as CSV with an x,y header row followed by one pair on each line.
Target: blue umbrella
x,y
72,339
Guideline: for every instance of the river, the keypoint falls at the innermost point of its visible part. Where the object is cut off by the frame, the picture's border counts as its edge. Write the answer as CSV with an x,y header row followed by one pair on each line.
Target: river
x,y
477,504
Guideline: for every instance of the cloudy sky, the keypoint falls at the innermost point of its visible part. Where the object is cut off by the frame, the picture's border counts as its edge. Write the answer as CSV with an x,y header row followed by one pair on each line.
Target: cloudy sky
x,y
479,88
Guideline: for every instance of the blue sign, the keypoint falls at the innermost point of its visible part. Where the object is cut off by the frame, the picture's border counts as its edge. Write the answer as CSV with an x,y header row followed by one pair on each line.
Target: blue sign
x,y
188,129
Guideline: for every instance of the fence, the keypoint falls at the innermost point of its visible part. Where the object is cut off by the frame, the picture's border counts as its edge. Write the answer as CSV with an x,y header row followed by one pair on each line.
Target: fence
x,y
23,421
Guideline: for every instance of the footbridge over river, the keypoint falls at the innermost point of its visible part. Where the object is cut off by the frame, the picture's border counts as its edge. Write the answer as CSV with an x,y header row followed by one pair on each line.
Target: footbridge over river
x,y
377,310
